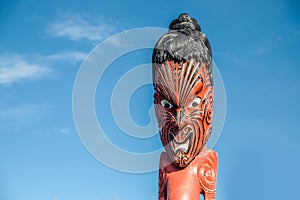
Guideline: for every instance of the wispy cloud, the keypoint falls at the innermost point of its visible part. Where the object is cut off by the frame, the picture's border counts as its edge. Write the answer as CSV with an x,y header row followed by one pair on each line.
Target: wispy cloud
x,y
77,27
296,33
258,50
65,131
232,57
70,57
16,118
19,111
55,198
15,68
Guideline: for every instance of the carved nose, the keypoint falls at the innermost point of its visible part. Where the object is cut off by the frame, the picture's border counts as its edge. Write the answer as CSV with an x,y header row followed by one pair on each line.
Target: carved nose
x,y
178,116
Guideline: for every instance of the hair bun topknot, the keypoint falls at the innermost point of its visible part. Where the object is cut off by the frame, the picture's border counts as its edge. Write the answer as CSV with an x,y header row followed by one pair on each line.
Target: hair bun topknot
x,y
184,21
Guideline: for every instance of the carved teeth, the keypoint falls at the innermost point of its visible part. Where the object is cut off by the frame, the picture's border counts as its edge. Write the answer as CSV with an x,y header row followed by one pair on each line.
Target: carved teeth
x,y
182,146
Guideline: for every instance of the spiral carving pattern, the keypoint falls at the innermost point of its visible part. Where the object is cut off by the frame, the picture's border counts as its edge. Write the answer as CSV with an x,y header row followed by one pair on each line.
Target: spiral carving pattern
x,y
208,173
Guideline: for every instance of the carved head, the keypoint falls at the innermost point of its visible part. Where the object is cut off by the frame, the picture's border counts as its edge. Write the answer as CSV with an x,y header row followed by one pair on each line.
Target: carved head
x,y
183,89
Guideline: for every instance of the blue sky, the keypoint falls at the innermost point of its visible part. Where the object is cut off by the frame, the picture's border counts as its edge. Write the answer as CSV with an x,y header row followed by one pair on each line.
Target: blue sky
x,y
256,46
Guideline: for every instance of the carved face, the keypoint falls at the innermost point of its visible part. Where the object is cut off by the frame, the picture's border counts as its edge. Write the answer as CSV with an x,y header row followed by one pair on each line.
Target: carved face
x,y
183,100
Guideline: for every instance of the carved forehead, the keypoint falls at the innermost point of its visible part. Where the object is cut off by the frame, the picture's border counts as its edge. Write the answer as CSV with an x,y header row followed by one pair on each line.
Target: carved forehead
x,y
178,82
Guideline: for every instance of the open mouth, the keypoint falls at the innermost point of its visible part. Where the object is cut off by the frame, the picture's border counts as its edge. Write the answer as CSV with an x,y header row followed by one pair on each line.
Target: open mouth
x,y
180,145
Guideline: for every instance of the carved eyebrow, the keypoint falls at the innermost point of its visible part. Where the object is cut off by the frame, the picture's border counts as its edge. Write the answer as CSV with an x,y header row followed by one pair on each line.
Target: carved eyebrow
x,y
164,96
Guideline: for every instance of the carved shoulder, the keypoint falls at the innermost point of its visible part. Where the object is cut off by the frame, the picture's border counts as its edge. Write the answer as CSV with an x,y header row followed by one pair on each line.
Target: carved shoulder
x,y
208,169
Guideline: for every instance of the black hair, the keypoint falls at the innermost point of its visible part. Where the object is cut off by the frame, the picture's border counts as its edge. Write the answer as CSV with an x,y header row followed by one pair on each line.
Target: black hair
x,y
184,41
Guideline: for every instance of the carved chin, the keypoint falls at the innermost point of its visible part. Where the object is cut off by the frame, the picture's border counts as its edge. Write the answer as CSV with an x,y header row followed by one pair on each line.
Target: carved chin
x,y
179,151
181,160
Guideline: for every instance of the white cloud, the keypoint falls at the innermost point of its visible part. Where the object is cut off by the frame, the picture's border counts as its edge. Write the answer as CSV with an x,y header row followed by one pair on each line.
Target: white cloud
x,y
14,68
64,131
55,198
16,118
17,112
297,33
72,57
77,27
232,57
258,50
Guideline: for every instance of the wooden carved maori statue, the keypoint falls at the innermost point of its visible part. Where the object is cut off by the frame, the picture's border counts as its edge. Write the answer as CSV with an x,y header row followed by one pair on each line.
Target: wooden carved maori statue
x,y
183,98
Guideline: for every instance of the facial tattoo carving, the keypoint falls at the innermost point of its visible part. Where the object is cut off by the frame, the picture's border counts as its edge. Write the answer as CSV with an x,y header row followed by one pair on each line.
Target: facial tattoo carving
x,y
183,90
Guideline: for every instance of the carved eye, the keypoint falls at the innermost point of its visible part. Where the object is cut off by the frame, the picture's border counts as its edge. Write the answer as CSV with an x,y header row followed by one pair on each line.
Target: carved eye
x,y
195,102
165,103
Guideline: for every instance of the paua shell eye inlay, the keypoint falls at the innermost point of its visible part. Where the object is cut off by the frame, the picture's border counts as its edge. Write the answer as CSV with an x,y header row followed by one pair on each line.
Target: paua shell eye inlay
x,y
166,104
195,102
